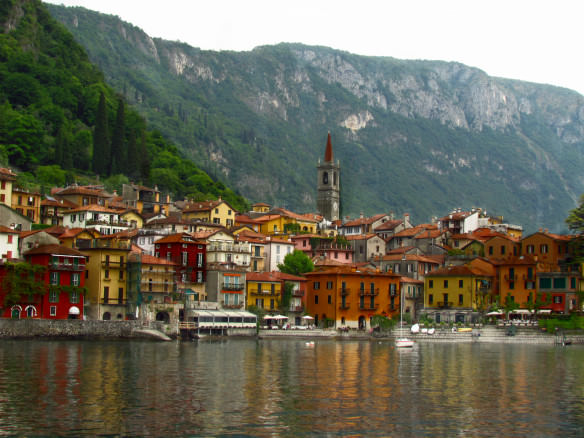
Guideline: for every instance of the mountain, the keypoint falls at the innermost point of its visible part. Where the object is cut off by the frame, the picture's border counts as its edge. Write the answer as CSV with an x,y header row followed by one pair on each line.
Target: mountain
x,y
421,137
54,103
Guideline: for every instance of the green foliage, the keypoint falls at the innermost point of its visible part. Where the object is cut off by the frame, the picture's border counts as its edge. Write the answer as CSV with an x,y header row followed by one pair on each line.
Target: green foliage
x,y
57,115
296,263
286,297
574,322
510,305
22,282
383,322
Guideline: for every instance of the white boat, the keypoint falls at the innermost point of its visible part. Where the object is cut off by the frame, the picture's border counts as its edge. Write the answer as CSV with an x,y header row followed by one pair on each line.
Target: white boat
x,y
402,342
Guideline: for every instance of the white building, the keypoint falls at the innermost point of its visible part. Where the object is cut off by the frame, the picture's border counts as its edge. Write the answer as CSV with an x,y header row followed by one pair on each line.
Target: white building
x,y
103,219
8,243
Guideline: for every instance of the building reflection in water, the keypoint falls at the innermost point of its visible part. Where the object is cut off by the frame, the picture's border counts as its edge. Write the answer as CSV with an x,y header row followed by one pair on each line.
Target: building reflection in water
x,y
288,388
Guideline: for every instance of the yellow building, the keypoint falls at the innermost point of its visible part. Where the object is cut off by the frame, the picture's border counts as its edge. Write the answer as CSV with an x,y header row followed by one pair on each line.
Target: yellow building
x,y
27,203
264,290
106,278
133,218
7,177
284,222
215,212
457,293
77,237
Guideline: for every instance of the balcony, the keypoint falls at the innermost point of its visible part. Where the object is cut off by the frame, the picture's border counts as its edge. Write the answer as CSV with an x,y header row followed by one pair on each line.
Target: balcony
x,y
296,308
223,247
445,304
113,265
368,306
233,286
66,267
113,301
345,292
297,293
259,255
262,292
369,292
231,306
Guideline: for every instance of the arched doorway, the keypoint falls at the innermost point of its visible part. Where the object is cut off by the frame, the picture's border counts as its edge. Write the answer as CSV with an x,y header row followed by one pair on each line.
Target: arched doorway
x,y
362,323
163,316
107,316
316,320
31,311
15,312
74,312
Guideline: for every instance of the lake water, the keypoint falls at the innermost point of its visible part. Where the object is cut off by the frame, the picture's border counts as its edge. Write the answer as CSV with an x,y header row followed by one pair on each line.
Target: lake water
x,y
285,387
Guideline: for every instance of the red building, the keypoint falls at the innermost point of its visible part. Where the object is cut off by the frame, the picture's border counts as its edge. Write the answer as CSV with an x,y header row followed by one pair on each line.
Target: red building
x,y
62,285
189,255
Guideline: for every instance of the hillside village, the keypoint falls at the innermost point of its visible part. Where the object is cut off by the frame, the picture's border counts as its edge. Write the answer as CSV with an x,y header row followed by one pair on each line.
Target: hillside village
x,y
83,253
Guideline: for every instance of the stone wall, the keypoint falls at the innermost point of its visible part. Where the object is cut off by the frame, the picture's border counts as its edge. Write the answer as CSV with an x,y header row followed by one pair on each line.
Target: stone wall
x,y
30,328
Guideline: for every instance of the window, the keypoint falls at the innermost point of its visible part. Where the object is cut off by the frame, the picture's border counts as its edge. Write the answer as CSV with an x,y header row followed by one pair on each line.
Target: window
x,y
316,285
511,285
460,299
304,243
74,297
410,267
573,283
216,211
560,283
316,299
396,268
121,276
54,278
530,249
228,212
75,279
329,284
10,238
543,248
199,260
185,258
106,294
430,284
445,284
460,284
502,250
53,296
330,299
557,299
430,299
199,276
106,274
53,310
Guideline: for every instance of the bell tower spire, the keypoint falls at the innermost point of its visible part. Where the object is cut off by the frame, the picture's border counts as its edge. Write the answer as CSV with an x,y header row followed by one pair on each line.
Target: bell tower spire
x,y
328,184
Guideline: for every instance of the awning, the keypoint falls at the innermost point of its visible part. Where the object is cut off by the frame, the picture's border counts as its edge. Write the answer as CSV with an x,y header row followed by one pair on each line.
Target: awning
x,y
74,310
544,311
307,317
521,312
495,313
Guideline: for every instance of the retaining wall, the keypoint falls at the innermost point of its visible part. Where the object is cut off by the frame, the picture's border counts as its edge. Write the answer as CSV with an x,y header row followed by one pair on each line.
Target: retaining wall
x,y
37,328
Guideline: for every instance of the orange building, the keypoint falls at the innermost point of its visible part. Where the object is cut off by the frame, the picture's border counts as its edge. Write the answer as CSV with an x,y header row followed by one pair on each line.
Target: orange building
x,y
517,279
502,247
548,249
350,297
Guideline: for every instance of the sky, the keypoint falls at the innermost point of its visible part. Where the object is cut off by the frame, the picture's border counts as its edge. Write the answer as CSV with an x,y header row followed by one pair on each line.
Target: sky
x,y
536,41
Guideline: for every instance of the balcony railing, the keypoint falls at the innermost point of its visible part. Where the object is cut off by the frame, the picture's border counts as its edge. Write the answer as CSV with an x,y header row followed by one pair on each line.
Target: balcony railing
x,y
262,292
221,247
297,293
233,286
259,255
67,266
345,291
296,308
105,222
116,301
444,304
369,292
231,306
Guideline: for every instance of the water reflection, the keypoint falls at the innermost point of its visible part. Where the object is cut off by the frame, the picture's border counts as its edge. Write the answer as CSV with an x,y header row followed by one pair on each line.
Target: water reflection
x,y
289,388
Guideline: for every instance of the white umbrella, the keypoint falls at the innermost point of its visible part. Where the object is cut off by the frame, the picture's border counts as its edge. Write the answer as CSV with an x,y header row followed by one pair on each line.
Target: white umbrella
x,y
307,317
280,317
269,317
495,313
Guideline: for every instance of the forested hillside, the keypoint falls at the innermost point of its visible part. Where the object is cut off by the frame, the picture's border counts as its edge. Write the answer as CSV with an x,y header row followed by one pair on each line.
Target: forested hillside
x,y
60,122
412,136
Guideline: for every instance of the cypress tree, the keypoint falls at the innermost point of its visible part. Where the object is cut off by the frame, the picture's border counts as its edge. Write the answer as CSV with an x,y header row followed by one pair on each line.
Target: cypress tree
x,y
144,159
133,162
118,155
101,147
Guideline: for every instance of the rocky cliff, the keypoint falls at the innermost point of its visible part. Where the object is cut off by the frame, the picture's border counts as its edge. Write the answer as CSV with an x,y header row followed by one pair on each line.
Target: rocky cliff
x,y
416,136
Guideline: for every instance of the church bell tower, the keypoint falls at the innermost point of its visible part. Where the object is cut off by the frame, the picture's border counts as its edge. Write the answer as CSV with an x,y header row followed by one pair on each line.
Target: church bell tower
x,y
328,184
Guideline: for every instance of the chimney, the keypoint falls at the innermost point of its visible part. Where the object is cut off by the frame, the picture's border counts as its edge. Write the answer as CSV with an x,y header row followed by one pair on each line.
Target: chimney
x,y
361,215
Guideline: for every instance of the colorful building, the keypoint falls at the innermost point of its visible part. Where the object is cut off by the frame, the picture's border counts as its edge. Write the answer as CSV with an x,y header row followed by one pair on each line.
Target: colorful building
x,y
217,212
27,203
350,297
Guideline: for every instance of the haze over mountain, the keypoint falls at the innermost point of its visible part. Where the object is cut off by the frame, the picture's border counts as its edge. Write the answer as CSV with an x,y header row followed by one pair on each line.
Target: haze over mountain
x,y
412,136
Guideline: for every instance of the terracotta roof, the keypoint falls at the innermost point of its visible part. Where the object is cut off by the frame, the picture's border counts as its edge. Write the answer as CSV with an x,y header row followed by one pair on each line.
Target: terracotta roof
x,y
262,276
169,220
268,217
93,207
291,214
409,257
61,203
304,236
401,250
83,190
151,260
7,174
389,225
260,204
514,260
410,232
180,238
277,240
405,279
350,270
457,216
55,230
4,229
429,234
54,249
328,153
456,271
201,206
244,219
363,220
361,237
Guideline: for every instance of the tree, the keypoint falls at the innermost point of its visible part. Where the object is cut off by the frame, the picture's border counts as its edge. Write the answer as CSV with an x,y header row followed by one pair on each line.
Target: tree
x,y
296,263
510,304
101,146
575,221
286,297
118,147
